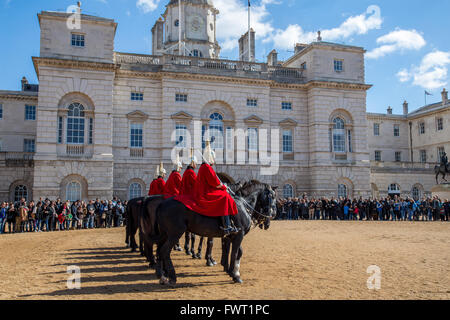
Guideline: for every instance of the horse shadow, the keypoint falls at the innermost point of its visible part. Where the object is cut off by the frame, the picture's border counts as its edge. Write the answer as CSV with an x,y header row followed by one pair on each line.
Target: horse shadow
x,y
114,270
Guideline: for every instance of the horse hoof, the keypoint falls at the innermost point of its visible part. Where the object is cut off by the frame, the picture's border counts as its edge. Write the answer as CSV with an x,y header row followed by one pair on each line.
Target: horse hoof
x,y
209,264
164,281
172,282
214,262
238,280
133,249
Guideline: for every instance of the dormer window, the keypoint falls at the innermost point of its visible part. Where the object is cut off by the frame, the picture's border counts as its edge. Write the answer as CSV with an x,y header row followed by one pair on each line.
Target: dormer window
x,y
77,40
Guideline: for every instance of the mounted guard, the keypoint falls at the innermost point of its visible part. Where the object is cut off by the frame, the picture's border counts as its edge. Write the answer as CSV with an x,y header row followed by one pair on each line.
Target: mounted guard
x,y
157,185
172,187
210,197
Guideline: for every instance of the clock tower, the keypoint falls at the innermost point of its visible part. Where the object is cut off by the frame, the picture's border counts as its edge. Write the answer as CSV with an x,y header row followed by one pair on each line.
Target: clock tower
x,y
195,21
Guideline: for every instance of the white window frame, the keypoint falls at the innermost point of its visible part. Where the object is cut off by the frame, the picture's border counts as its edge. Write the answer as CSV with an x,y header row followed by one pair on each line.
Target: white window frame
x,y
28,143
137,96
423,156
342,191
81,120
181,97
252,139
338,65
252,103
136,126
132,194
288,141
422,128
285,105
288,191
181,131
376,129
78,42
339,145
398,156
439,124
78,190
29,112
20,191
396,130
378,155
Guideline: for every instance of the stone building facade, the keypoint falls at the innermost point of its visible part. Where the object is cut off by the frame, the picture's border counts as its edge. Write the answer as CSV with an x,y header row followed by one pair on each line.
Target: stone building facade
x,y
105,119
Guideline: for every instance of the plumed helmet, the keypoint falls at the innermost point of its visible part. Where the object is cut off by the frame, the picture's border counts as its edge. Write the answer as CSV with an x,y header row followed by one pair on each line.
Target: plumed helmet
x,y
177,165
209,156
193,158
162,171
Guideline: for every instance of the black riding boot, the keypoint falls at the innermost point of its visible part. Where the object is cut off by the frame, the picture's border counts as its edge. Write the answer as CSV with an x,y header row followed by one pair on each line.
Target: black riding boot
x,y
227,227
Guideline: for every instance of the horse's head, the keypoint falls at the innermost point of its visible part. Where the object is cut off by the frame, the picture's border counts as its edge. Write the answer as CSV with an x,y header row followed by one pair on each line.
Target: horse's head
x,y
267,205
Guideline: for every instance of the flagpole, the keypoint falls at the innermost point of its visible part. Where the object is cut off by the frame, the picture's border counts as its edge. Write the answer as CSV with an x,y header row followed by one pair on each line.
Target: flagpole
x,y
249,42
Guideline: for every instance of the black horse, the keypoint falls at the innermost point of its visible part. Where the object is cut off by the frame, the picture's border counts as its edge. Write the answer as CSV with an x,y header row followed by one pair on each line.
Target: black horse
x,y
141,215
173,219
190,251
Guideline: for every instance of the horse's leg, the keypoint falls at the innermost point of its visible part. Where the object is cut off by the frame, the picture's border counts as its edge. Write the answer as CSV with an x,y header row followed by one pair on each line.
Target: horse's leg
x,y
199,250
225,253
151,256
142,248
187,237
127,235
159,267
168,265
192,249
234,261
210,262
133,243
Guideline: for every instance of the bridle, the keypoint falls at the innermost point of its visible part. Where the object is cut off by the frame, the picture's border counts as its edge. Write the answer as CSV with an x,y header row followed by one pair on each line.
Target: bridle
x,y
260,218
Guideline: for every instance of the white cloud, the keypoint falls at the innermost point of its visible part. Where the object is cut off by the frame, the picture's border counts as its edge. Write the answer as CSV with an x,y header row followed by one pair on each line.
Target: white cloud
x,y
147,5
432,72
398,40
232,20
354,25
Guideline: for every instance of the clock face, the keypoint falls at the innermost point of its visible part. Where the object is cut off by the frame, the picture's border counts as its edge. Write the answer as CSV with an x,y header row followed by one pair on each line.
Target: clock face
x,y
197,24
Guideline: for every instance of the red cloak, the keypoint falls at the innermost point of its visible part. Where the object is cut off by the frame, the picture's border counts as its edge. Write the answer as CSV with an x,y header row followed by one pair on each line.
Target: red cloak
x,y
173,185
157,187
207,200
188,183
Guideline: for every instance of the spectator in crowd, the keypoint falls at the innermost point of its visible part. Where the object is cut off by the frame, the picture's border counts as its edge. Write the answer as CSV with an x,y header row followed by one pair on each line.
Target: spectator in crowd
x,y
2,217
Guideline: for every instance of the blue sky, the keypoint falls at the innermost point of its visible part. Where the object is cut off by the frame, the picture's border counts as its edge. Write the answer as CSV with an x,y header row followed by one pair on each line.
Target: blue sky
x,y
406,40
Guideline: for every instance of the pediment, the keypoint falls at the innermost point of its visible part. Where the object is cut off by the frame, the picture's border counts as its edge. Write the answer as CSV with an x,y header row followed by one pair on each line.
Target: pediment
x,y
288,123
182,116
253,119
137,115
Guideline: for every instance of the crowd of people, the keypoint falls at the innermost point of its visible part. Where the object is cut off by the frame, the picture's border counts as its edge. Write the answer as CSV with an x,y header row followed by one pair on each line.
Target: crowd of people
x,y
386,209
46,215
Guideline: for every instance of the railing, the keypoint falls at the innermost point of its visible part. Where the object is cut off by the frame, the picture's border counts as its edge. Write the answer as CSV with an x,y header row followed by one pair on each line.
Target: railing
x,y
242,68
17,159
136,153
74,150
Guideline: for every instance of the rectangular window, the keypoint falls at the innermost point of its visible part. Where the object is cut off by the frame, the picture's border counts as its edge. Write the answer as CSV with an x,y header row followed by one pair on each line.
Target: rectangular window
x,y
396,130
377,155
181,97
77,40
29,145
1,111
440,124
338,65
1,145
422,128
252,103
30,112
136,135
137,96
252,139
286,105
339,140
91,130
303,66
180,131
376,129
441,151
287,141
398,156
60,130
423,156
75,130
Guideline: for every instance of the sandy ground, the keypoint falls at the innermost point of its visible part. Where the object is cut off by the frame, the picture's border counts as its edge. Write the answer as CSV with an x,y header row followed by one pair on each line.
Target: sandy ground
x,y
292,260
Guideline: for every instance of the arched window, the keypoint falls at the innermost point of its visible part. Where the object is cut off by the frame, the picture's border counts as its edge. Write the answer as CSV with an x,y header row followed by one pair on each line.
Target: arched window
x,y
216,130
75,124
338,135
134,191
73,192
20,192
416,194
288,191
394,189
342,191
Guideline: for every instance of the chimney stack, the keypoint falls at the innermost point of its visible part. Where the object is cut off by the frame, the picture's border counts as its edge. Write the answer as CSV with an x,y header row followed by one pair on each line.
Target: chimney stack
x,y
243,47
24,83
272,58
299,47
405,108
389,110
444,97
